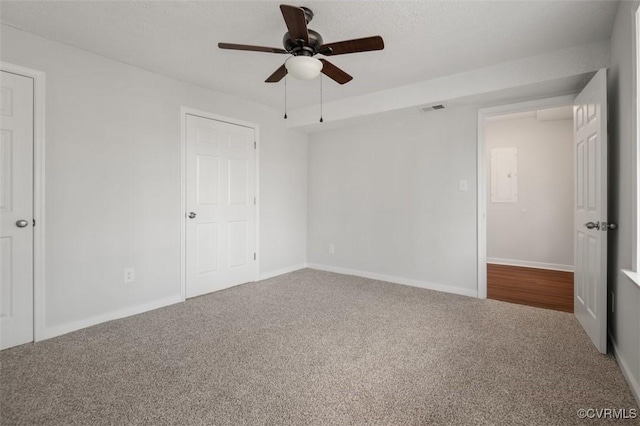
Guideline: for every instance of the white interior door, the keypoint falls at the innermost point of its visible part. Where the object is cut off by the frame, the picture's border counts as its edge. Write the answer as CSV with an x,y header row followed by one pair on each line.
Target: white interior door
x,y
590,220
220,210
16,210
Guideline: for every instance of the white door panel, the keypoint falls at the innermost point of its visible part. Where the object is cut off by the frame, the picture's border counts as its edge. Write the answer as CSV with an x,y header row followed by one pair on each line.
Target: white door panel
x,y
220,192
590,152
16,204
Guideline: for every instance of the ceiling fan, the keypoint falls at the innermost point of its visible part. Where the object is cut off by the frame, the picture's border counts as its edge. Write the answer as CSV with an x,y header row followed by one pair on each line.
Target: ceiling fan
x,y
304,43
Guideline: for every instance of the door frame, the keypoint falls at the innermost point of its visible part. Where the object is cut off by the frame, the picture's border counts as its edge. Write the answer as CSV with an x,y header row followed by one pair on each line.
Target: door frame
x,y
483,114
184,111
39,279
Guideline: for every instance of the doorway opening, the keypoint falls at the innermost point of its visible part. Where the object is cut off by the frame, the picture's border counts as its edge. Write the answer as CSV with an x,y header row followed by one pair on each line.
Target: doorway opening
x,y
590,222
525,163
530,207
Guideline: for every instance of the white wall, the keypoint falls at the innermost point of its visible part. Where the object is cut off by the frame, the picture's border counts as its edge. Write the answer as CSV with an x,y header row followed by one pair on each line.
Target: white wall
x,y
386,195
113,181
538,227
624,323
518,74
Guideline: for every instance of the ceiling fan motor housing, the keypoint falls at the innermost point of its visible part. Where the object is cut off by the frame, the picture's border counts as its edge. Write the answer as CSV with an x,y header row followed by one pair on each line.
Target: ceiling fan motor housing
x,y
303,44
299,47
308,14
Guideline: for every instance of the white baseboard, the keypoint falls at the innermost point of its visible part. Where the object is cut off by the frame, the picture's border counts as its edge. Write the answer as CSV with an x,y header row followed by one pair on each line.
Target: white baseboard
x,y
267,275
59,330
527,264
626,372
396,280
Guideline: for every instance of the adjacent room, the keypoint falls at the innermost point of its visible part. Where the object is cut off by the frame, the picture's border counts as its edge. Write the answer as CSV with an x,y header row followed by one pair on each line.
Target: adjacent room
x,y
530,180
345,212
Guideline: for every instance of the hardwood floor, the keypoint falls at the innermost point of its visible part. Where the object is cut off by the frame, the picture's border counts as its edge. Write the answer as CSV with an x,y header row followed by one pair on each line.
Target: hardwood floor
x,y
542,288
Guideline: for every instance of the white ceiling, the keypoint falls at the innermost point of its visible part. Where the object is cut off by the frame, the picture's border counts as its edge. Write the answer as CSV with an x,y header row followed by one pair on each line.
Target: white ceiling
x,y
423,40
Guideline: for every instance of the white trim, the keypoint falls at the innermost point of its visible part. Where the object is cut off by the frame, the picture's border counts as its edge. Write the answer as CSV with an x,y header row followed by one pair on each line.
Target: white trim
x,y
183,202
110,316
481,194
256,132
528,264
634,277
184,111
39,95
396,280
282,271
626,371
483,114
635,133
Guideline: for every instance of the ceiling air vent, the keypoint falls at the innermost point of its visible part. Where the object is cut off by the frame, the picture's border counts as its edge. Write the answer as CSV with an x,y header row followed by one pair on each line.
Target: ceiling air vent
x,y
431,108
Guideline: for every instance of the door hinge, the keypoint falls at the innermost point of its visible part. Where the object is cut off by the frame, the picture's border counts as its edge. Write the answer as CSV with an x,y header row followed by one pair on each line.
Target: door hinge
x,y
254,201
254,256
255,145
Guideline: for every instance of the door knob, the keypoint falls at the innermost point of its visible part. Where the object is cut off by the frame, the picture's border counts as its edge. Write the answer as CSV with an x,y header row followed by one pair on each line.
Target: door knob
x,y
22,223
192,215
592,225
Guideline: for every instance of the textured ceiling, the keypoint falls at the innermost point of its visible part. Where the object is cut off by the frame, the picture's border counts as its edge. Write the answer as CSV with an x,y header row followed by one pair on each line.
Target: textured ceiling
x,y
423,40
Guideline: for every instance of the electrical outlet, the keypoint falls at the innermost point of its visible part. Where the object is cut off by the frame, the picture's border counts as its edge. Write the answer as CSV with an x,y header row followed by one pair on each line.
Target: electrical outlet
x,y
332,249
129,275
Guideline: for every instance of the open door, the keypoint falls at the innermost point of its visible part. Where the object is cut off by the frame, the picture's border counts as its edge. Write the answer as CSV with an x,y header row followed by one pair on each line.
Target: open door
x,y
590,201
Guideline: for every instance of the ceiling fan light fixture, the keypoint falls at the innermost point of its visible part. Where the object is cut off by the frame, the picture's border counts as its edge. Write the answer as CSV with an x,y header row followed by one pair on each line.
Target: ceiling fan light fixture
x,y
303,67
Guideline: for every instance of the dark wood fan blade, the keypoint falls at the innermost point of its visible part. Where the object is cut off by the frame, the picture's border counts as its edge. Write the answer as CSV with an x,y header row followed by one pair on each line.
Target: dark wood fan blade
x,y
296,22
366,44
334,72
277,75
251,48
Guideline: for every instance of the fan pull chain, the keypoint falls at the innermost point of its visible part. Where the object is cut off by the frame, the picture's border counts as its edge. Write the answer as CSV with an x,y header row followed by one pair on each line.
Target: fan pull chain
x,y
321,120
285,96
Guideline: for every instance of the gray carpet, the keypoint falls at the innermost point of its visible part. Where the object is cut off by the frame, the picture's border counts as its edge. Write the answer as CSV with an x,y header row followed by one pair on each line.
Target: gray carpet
x,y
314,347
